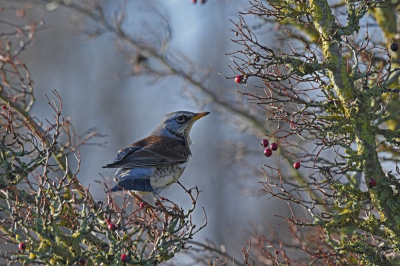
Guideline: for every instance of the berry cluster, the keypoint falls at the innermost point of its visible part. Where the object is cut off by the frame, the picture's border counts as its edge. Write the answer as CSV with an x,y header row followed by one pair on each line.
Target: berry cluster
x,y
274,147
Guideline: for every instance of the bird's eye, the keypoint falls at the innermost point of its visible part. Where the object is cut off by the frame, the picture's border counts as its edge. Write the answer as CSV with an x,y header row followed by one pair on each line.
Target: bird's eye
x,y
181,119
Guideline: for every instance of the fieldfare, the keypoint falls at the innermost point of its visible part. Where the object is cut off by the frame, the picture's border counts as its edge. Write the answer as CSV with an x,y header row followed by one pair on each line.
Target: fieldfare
x,y
156,162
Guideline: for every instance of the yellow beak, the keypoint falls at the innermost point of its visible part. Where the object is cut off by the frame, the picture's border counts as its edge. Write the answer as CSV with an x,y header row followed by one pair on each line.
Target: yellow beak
x,y
199,115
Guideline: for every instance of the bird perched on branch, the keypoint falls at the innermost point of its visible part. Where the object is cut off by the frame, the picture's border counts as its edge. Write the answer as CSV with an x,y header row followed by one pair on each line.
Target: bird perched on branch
x,y
156,162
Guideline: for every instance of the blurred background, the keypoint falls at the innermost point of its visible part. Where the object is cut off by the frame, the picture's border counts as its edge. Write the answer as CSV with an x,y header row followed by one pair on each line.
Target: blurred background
x,y
99,91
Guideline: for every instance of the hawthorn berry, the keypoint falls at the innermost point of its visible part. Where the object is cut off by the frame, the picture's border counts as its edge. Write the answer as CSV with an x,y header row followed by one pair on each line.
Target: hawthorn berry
x,y
82,261
371,183
394,47
239,79
124,258
296,165
267,152
4,107
112,227
22,246
142,205
264,143
274,146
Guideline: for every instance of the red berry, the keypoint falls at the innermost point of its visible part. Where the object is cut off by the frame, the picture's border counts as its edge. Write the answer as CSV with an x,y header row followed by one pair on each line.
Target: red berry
x,y
142,205
264,143
296,165
239,79
394,47
274,146
267,152
22,246
371,183
162,198
194,1
4,107
124,258
276,252
82,261
112,227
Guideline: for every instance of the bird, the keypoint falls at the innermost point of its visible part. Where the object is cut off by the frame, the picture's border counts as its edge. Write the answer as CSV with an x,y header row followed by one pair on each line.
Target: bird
x,y
154,163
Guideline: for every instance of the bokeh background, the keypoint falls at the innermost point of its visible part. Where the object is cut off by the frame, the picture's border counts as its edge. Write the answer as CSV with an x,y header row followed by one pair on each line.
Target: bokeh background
x,y
93,80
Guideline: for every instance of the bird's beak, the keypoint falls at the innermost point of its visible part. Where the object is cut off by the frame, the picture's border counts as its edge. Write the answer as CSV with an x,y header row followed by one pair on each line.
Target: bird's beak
x,y
199,115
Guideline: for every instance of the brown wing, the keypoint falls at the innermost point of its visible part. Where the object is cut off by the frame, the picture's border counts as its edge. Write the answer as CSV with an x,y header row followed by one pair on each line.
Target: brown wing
x,y
152,151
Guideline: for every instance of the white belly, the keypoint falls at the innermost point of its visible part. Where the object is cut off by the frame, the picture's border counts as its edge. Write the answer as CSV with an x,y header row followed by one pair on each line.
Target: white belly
x,y
166,176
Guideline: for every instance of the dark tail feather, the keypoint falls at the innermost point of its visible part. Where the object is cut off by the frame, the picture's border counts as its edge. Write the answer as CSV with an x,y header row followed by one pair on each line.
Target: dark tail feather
x,y
110,165
136,184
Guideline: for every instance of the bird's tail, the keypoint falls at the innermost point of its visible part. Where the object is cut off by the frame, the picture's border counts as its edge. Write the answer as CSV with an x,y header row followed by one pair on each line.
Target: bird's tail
x,y
115,189
132,179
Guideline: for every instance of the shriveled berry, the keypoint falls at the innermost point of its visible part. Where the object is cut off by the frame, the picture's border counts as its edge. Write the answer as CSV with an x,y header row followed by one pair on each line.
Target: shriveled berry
x,y
296,165
20,13
82,261
162,198
371,183
267,152
274,146
203,1
394,47
4,107
124,258
142,205
239,79
112,227
264,143
22,246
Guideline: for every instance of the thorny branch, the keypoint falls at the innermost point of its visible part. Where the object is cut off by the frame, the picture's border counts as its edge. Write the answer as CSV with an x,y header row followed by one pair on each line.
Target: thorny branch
x,y
48,213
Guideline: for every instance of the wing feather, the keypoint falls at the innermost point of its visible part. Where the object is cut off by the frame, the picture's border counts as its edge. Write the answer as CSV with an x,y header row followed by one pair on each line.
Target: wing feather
x,y
152,151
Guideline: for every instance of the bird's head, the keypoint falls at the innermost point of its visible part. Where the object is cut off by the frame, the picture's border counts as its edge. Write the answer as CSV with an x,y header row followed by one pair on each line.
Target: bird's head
x,y
178,124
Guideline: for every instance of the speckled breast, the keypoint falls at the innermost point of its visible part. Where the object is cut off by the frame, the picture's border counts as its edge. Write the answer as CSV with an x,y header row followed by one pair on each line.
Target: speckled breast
x,y
166,176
